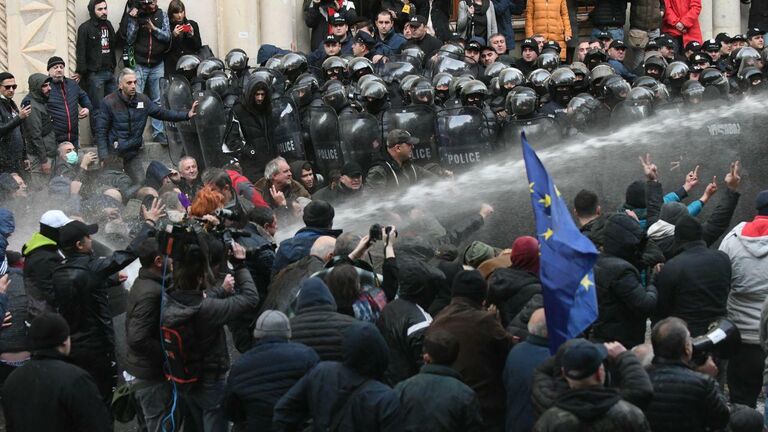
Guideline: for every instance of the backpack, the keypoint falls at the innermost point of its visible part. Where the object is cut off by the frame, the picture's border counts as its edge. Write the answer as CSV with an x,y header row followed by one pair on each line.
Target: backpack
x,y
70,296
183,355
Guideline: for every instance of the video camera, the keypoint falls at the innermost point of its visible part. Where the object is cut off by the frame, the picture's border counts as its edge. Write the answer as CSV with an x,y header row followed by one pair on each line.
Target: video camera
x,y
718,342
374,233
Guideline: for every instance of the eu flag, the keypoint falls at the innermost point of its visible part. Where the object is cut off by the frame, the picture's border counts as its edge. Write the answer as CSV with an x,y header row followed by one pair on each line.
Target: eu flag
x,y
567,258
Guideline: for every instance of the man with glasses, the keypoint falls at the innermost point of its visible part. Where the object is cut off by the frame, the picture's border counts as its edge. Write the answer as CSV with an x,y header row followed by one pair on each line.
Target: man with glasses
x,y
395,169
11,117
389,40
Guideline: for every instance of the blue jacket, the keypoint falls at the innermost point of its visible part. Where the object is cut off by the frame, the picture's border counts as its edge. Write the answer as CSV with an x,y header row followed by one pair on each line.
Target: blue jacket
x,y
521,363
504,11
62,107
622,70
390,43
122,121
261,377
298,246
323,393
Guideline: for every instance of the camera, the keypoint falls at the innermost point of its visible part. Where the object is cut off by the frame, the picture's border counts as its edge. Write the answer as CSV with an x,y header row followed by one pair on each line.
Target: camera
x,y
718,342
374,232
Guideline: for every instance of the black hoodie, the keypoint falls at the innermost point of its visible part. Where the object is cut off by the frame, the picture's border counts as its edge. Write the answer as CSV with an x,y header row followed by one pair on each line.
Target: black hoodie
x,y
596,409
95,43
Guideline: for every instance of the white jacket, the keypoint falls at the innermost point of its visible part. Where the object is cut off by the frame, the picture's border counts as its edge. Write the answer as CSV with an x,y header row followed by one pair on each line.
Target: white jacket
x,y
749,281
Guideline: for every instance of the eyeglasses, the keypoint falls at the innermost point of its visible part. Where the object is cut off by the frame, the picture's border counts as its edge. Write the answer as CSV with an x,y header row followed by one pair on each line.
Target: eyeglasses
x,y
11,87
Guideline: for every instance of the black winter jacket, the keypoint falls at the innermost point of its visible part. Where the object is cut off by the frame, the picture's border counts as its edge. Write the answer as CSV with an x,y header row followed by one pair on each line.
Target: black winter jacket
x,y
512,290
596,409
316,18
403,324
317,324
11,138
184,44
38,128
50,394
89,56
261,377
436,400
209,315
14,338
149,46
144,353
609,13
41,257
120,125
63,107
680,390
694,286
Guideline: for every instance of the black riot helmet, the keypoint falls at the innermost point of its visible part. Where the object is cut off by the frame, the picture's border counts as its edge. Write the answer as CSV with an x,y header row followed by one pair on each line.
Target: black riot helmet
x,y
275,63
441,82
405,87
645,81
333,68
457,83
745,57
712,77
374,95
218,83
615,90
594,57
676,74
510,78
539,80
494,69
561,85
596,77
207,67
187,66
414,52
365,79
692,92
451,50
521,102
641,94
334,95
422,92
294,64
303,90
359,67
581,111
548,60
655,66
473,93
751,80
236,60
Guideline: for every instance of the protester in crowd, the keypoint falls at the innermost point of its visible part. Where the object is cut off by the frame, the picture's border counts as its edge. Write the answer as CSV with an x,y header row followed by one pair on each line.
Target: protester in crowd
x,y
39,131
318,220
11,118
416,33
279,189
348,189
185,36
477,19
550,19
681,21
317,14
63,103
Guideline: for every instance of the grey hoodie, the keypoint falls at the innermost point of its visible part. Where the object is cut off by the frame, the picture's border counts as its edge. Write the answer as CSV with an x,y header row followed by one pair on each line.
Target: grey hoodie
x,y
38,127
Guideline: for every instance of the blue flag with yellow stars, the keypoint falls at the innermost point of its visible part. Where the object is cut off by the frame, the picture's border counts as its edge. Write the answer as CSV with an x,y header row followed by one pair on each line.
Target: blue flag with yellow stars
x,y
567,258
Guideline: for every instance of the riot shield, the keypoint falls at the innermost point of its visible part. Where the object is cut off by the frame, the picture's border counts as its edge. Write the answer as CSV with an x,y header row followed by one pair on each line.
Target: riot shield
x,y
628,112
180,99
419,120
395,71
324,131
360,138
211,123
541,132
286,137
463,138
175,144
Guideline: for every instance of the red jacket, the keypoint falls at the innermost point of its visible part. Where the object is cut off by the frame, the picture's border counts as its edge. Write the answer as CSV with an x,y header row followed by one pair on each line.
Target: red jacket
x,y
244,187
686,12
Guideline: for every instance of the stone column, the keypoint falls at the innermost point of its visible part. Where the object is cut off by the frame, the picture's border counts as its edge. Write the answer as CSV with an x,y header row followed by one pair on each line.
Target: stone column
x,y
726,17
705,19
239,24
282,24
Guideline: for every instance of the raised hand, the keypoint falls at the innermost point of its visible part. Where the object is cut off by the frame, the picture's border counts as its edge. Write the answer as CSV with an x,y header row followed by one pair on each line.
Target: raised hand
x,y
733,178
650,169
710,190
691,179
155,211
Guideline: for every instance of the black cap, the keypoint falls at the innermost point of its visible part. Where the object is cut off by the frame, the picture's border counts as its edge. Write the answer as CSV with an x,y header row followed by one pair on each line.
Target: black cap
x,y
604,36
330,39
352,169
723,37
651,46
710,45
417,20
618,44
553,45
693,46
530,43
739,37
400,136
761,203
754,32
665,41
365,39
337,19
473,46
700,57
48,330
456,37
582,359
74,231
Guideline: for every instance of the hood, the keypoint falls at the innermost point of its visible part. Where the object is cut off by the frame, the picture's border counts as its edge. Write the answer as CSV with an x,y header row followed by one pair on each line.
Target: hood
x,y
756,246
507,283
365,350
314,292
92,8
634,197
37,241
296,168
419,282
661,230
156,171
622,237
36,81
249,91
588,404
672,211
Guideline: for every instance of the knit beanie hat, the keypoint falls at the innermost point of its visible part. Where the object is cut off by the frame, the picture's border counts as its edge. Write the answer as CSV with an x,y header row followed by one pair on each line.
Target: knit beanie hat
x,y
470,284
48,330
745,419
478,252
687,229
272,323
761,203
635,195
53,61
319,214
671,212
525,254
